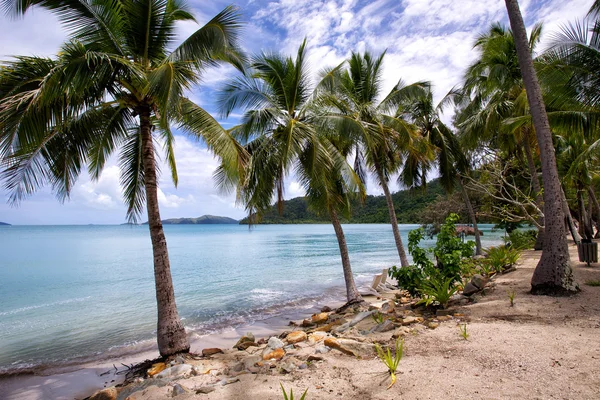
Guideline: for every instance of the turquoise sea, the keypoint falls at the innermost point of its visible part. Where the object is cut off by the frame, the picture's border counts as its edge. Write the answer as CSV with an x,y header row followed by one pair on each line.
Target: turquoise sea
x,y
74,293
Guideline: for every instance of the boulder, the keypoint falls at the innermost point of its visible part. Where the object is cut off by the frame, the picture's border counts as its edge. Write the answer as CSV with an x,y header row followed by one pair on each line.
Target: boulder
x,y
385,326
388,307
211,351
409,320
205,389
326,309
245,345
433,325
329,327
307,323
130,391
275,343
176,372
105,394
359,317
270,354
470,289
400,332
316,337
351,347
179,389
479,281
296,337
322,349
247,338
320,318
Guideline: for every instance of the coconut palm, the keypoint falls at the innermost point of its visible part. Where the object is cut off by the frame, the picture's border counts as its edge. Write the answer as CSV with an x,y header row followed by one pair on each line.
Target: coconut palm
x,y
283,132
553,274
495,85
380,136
420,110
115,85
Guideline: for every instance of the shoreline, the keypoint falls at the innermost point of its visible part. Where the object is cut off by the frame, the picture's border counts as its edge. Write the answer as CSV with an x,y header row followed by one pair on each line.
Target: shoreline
x,y
81,379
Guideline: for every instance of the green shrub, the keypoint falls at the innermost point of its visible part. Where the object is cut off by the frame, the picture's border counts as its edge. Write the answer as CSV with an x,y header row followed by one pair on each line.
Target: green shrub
x,y
501,258
438,290
450,250
522,240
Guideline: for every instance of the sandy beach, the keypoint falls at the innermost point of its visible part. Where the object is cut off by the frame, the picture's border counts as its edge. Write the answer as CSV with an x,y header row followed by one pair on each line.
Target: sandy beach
x,y
541,348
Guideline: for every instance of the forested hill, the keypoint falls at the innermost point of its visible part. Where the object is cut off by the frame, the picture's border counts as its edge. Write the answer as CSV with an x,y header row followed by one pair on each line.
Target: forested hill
x,y
4,223
205,219
408,204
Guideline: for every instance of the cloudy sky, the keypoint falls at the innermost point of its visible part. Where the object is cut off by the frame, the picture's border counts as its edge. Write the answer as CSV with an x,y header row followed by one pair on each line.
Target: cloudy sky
x,y
425,40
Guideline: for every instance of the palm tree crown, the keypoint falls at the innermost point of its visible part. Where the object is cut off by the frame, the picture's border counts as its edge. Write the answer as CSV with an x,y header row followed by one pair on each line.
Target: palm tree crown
x,y
114,85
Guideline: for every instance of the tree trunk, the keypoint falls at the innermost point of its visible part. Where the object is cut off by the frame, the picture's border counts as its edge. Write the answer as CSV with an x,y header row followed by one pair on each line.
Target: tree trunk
x,y
352,294
569,218
535,182
553,274
478,250
594,202
393,219
170,332
585,225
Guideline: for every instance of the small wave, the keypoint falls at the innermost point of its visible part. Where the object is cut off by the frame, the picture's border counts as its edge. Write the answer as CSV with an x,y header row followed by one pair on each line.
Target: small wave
x,y
56,303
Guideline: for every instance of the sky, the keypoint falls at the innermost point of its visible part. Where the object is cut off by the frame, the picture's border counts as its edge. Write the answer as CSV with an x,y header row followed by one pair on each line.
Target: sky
x,y
425,40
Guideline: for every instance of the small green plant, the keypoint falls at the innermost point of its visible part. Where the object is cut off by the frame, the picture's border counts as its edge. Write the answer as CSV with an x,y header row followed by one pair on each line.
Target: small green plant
x,y
463,331
291,396
593,283
390,360
378,317
437,289
511,297
501,258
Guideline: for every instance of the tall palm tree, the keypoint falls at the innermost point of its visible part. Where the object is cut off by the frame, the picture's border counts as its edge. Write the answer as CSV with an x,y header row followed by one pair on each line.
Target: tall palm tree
x,y
420,110
283,132
495,84
355,108
114,85
553,274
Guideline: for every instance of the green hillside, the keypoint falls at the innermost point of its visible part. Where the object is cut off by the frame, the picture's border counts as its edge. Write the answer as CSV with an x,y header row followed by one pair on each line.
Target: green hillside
x,y
205,219
409,204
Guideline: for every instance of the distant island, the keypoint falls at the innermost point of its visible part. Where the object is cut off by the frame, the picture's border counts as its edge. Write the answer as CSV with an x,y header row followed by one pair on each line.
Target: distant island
x,y
4,223
205,219
410,205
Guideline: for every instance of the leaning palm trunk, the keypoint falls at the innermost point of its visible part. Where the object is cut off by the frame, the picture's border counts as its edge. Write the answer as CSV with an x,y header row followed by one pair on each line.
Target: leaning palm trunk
x,y
585,222
352,294
478,249
393,219
170,332
537,190
569,218
594,203
553,274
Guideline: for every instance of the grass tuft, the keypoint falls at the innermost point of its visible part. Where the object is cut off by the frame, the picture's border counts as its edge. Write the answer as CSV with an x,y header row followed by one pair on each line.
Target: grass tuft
x,y
390,360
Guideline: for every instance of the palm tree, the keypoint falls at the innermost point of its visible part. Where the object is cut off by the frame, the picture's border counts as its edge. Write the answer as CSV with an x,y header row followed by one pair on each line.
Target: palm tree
x,y
495,84
283,132
420,110
114,84
380,137
553,274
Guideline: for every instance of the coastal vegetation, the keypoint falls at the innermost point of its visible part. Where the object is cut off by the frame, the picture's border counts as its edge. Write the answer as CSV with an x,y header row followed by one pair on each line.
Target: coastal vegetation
x,y
119,86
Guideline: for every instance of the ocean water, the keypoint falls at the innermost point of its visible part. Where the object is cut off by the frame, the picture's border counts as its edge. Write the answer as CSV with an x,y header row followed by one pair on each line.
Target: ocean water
x,y
74,293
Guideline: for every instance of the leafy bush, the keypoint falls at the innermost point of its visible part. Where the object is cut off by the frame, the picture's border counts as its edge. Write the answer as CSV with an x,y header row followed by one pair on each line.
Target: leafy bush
x,y
501,258
436,289
522,240
450,252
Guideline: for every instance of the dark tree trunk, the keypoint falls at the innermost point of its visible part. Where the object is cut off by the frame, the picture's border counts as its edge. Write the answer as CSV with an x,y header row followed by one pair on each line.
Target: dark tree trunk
x,y
553,274
569,218
478,249
594,203
170,332
393,219
585,223
535,182
352,294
